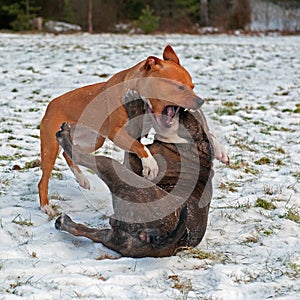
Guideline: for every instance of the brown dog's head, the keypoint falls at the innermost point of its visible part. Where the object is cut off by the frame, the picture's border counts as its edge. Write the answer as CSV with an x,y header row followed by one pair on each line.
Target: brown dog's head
x,y
167,86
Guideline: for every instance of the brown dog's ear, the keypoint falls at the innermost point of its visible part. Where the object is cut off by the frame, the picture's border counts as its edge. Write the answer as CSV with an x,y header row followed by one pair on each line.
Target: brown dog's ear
x,y
152,63
169,54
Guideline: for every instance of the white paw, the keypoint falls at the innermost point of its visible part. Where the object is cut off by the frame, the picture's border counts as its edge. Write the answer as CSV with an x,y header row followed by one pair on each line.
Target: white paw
x,y
81,179
220,152
150,166
47,209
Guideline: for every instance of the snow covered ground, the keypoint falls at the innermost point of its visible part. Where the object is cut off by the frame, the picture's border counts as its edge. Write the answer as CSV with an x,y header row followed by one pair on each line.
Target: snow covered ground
x,y
251,249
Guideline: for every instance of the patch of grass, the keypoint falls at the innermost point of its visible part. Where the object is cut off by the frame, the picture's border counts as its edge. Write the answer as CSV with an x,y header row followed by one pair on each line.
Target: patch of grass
x,y
6,131
263,161
5,182
229,186
265,131
261,107
18,283
11,157
33,109
230,103
183,285
286,110
250,239
238,164
259,123
272,189
57,175
102,75
295,267
293,215
34,136
264,204
279,162
285,129
267,232
32,164
296,174
297,110
200,254
280,150
226,111
252,171
15,146
23,222
57,196
245,147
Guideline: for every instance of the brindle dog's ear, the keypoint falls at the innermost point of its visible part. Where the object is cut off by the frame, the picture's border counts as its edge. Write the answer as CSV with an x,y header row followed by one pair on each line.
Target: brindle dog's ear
x,y
152,63
169,54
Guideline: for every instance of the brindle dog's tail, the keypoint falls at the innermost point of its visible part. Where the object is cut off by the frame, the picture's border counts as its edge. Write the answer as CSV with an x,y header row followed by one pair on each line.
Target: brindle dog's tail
x,y
175,236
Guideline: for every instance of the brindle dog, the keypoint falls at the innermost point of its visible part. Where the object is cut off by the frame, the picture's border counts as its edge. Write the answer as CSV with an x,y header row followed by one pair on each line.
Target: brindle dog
x,y
152,219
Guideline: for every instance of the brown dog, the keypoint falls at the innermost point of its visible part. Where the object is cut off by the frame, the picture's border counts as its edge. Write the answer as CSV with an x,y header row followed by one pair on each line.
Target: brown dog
x,y
99,106
152,220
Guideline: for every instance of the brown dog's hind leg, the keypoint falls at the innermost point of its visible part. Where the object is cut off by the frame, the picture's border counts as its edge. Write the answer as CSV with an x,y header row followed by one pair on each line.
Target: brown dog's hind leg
x,y
49,152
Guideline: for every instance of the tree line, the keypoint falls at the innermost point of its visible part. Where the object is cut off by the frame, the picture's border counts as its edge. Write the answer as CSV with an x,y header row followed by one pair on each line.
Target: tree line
x,y
122,15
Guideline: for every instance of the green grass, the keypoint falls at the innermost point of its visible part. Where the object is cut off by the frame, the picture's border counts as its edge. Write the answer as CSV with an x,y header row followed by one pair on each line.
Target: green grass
x,y
264,204
293,215
226,111
229,186
57,175
23,222
263,161
32,164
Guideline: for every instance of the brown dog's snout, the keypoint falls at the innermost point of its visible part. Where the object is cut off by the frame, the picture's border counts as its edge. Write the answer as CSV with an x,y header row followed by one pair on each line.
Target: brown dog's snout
x,y
199,101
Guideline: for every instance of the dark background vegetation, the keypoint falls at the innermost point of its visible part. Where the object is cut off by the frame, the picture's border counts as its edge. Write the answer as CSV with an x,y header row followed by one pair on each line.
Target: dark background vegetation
x,y
150,15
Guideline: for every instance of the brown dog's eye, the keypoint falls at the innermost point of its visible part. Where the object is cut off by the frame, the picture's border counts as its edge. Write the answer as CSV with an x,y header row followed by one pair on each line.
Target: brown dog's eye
x,y
181,87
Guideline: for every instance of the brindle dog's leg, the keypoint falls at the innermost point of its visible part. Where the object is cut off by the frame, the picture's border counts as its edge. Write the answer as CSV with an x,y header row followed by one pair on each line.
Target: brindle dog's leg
x,y
65,223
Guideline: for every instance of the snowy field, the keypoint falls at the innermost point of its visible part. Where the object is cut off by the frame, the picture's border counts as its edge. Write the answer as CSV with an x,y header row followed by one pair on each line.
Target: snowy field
x,y
251,249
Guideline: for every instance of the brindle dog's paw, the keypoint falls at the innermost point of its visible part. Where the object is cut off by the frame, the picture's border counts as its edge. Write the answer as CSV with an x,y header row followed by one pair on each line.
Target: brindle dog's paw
x,y
65,129
131,95
61,221
58,222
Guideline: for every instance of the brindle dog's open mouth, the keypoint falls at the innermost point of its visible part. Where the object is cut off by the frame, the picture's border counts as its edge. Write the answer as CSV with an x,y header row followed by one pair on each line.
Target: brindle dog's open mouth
x,y
166,118
168,114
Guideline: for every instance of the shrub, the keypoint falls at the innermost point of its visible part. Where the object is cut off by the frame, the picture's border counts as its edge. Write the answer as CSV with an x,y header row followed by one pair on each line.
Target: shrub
x,y
148,22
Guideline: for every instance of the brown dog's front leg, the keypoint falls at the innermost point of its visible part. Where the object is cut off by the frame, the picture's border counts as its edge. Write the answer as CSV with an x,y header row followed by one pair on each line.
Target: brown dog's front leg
x,y
126,142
